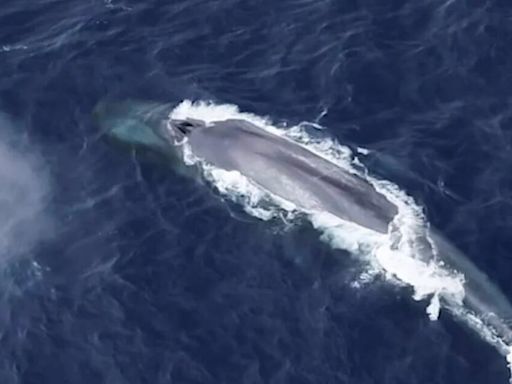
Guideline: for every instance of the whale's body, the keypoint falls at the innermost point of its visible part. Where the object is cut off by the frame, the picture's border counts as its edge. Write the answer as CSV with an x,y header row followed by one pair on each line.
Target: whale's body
x,y
292,172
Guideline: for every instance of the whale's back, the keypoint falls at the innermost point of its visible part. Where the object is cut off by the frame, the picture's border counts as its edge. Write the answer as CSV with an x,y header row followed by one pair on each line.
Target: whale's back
x,y
292,172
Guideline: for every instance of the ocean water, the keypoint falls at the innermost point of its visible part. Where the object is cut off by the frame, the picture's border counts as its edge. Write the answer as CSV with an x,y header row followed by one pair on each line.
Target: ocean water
x,y
115,269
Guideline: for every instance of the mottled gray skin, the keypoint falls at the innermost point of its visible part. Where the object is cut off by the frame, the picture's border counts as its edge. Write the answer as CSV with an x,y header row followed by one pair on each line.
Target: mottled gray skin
x,y
291,172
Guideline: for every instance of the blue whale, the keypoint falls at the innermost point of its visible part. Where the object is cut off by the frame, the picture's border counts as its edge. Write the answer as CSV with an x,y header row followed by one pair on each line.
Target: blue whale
x,y
291,171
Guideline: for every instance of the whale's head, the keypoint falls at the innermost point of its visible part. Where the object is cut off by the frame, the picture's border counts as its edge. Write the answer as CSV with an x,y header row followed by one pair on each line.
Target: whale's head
x,y
143,124
147,127
138,124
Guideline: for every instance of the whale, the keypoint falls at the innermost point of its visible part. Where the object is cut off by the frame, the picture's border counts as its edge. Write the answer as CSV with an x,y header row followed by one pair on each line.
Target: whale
x,y
291,171
274,163
287,170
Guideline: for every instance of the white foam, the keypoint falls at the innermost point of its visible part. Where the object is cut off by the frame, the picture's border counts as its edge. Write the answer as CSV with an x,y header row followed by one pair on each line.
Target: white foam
x,y
399,255
509,361
395,257
210,112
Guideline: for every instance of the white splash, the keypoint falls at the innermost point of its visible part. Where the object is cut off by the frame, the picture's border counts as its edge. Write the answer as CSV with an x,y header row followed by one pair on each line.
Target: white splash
x,y
395,255
210,112
509,361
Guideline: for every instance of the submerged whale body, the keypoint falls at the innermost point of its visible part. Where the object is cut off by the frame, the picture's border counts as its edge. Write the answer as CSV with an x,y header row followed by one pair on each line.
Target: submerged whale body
x,y
292,172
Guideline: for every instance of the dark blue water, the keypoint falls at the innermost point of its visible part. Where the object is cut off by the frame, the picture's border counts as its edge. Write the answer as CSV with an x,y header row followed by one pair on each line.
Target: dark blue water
x,y
116,270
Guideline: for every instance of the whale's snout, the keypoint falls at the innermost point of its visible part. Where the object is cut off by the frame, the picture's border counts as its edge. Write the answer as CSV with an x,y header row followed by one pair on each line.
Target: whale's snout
x,y
132,122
